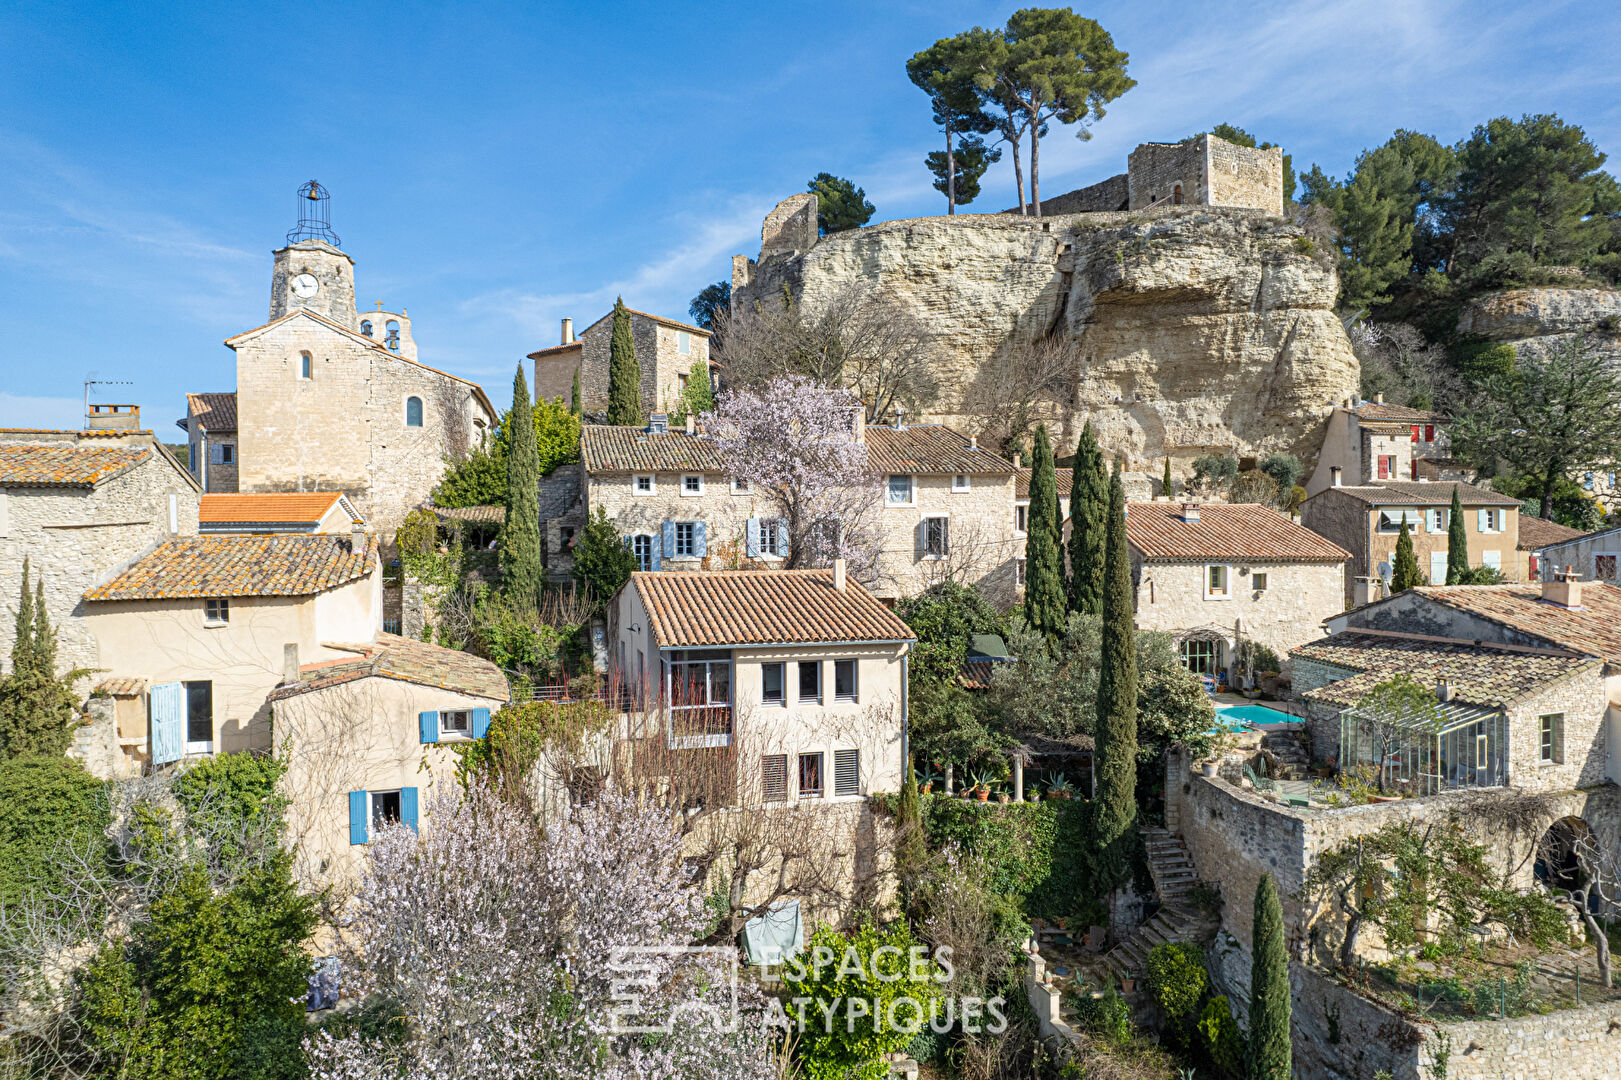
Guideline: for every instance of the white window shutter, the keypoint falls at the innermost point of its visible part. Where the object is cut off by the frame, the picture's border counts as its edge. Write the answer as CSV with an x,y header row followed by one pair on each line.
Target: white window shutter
x,y
752,543
782,537
1438,568
700,545
1483,520
167,709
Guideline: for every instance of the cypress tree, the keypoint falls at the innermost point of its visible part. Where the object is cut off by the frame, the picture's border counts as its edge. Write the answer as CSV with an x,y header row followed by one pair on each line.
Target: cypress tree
x,y
624,373
1457,541
22,645
44,635
36,708
1404,573
1266,1057
1165,481
521,571
1114,803
575,404
1088,521
1043,555
910,849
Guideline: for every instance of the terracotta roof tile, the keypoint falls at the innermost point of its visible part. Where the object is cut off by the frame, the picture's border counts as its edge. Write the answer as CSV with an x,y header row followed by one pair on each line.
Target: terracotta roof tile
x,y
1064,477
1421,493
1478,674
656,318
215,412
65,464
121,686
929,449
1594,629
295,565
632,449
761,607
1225,531
1538,532
550,349
494,515
1370,410
395,657
267,508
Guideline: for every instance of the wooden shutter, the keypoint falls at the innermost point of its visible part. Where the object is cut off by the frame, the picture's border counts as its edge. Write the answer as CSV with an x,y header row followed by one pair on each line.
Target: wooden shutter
x,y
428,722
782,537
1482,520
664,545
481,723
700,543
774,777
166,704
357,817
847,772
216,454
752,543
408,806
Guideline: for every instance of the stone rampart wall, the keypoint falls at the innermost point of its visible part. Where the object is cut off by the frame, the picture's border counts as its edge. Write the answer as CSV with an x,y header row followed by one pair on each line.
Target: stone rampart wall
x,y
1243,177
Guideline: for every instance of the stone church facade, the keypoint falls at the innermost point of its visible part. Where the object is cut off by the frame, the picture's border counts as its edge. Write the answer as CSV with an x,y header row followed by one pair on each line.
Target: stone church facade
x,y
330,398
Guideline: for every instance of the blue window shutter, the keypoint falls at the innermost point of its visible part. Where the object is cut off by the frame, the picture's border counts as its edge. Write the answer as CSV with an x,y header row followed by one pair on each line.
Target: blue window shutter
x,y
167,709
481,723
700,544
1480,520
752,544
667,541
357,817
408,806
782,537
429,722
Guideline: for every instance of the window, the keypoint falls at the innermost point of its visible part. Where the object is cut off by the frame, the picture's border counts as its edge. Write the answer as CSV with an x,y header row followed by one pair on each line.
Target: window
x,y
1021,519
227,454
1587,481
1387,466
772,688
810,776
199,717
847,772
701,678
810,680
565,536
1491,520
1493,559
305,366
642,485
1202,657
1018,573
455,722
1258,582
844,680
1215,582
770,537
413,412
642,546
1437,519
1390,520
393,338
692,485
1604,568
683,342
385,808
900,491
685,544
1551,739
217,610
365,327
935,538
740,486
774,777
959,482
1416,429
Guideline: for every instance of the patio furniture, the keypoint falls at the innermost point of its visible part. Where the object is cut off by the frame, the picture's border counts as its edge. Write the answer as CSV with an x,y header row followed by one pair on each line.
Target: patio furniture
x,y
1261,783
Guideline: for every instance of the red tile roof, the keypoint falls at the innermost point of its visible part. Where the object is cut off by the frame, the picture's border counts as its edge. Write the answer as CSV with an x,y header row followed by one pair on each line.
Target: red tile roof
x,y
1064,477
1370,410
550,349
1594,629
199,566
1421,493
268,508
1225,531
214,412
65,464
1538,532
395,657
1478,674
633,449
761,607
928,449
656,318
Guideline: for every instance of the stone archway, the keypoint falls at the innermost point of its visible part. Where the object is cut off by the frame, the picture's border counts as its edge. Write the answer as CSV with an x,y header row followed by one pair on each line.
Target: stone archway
x,y
1204,651
1562,854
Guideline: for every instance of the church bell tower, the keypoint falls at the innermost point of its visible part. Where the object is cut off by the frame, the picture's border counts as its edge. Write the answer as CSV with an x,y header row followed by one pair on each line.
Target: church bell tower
x,y
311,272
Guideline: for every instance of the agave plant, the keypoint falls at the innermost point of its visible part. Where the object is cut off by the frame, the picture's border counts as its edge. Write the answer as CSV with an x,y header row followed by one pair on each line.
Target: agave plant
x,y
1060,788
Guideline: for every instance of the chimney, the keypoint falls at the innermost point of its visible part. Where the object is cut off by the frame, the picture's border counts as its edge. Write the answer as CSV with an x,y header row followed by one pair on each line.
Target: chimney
x,y
692,424
1016,457
289,663
1190,513
1443,690
1335,471
838,574
568,331
900,418
858,423
1379,398
1564,588
357,536
658,424
973,442
113,418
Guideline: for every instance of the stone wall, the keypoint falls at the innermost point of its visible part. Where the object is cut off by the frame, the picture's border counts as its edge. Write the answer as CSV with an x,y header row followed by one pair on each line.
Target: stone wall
x,y
1106,195
1580,745
658,356
333,270
1241,176
791,226
1583,555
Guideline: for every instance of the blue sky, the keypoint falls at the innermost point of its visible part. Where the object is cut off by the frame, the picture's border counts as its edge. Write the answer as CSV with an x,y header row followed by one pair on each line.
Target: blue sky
x,y
495,167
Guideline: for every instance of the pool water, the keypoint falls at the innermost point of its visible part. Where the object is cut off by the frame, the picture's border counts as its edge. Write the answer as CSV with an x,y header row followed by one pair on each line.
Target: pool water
x,y
1252,714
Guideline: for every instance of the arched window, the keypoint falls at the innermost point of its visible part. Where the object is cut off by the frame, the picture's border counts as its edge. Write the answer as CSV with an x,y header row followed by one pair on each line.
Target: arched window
x,y
365,327
413,412
393,339
306,366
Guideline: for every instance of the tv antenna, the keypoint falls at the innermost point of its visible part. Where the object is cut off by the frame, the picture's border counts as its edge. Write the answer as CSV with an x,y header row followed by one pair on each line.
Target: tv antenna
x,y
91,380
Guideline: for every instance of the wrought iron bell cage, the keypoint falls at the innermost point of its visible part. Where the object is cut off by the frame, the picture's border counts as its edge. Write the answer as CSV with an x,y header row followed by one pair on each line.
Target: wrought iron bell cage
x,y
314,215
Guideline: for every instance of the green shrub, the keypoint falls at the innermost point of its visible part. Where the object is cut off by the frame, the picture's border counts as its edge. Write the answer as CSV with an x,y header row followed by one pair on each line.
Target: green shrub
x,y
1219,1037
1107,1017
1036,853
1176,977
49,806
1477,360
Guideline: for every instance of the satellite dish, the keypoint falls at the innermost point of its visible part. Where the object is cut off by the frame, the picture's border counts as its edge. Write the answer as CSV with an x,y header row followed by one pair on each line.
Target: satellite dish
x,y
1385,571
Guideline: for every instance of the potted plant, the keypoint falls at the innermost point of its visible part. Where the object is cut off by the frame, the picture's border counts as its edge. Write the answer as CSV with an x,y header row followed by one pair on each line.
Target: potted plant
x,y
982,787
1209,768
926,786
1060,788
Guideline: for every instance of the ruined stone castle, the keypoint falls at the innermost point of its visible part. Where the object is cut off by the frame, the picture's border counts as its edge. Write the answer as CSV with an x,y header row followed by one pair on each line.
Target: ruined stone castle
x,y
1203,319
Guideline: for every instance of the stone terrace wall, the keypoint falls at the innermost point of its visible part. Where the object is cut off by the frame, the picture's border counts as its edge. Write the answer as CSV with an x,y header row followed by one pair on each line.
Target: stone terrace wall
x,y
1570,1043
1336,1035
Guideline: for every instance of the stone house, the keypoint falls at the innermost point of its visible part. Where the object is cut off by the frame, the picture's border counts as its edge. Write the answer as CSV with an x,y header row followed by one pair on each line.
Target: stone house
x,y
945,505
1595,556
278,512
210,427
367,737
1371,443
1539,536
1216,574
1366,520
78,505
1203,171
328,398
196,632
666,351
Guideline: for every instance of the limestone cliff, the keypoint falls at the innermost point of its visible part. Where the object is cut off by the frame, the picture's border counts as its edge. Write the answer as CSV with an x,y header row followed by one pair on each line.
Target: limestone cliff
x,y
1200,329
1534,320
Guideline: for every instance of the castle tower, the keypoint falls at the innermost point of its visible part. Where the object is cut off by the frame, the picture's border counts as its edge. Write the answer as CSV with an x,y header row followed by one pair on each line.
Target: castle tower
x,y
311,272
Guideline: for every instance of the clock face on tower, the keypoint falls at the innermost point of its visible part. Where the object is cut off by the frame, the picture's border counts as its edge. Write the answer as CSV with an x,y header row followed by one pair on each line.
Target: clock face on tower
x,y
304,286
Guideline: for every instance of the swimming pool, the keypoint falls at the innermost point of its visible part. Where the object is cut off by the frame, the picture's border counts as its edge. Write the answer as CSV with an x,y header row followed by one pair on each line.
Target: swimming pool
x,y
1252,714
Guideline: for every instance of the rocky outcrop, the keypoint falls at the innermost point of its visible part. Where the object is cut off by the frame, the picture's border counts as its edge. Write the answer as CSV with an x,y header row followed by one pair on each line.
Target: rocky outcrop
x,y
1534,320
1199,329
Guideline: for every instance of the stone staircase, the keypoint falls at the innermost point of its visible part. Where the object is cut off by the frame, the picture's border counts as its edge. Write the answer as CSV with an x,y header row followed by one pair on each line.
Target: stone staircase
x,y
1293,761
1177,919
